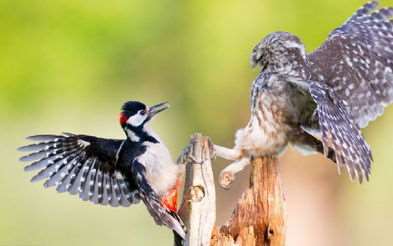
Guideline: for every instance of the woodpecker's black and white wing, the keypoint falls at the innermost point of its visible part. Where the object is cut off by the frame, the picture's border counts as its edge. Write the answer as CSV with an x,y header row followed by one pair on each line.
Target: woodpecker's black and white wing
x,y
83,165
339,133
356,61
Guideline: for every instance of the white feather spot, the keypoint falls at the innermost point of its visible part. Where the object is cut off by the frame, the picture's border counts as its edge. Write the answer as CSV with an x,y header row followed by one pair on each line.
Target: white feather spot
x,y
137,119
83,143
133,137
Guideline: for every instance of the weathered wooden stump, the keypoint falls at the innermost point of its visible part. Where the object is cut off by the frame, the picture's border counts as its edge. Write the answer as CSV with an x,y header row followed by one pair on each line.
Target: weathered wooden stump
x,y
258,218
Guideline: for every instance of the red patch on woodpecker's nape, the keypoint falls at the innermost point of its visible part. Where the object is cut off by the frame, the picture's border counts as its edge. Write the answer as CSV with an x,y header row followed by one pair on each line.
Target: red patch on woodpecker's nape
x,y
123,118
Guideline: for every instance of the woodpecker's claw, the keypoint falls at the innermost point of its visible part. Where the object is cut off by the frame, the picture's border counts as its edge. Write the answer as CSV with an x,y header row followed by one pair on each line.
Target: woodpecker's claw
x,y
187,156
212,150
193,159
184,156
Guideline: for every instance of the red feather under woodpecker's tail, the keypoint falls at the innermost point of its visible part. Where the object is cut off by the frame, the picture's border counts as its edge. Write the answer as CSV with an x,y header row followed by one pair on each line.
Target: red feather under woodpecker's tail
x,y
170,199
170,202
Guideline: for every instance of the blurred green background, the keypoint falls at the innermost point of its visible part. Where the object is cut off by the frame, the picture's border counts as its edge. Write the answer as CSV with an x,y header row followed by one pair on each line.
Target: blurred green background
x,y
68,65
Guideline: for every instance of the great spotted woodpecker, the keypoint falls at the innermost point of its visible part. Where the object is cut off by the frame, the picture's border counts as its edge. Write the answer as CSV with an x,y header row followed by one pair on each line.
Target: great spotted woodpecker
x,y
110,171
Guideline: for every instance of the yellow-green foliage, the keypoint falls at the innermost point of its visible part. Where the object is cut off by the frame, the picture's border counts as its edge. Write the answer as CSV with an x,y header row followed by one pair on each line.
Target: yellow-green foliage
x,y
67,65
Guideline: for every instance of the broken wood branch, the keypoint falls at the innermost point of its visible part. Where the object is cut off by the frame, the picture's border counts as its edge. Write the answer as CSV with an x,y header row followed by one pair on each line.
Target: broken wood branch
x,y
258,218
198,209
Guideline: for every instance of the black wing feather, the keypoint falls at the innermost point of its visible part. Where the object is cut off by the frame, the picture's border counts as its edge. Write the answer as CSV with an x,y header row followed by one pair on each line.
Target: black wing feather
x,y
81,164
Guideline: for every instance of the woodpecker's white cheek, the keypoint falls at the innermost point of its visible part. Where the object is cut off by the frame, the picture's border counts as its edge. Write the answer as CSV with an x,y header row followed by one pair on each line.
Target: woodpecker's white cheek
x,y
136,120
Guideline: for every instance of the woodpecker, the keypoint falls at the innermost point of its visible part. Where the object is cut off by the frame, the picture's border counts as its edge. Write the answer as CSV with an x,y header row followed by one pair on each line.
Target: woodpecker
x,y
318,102
111,171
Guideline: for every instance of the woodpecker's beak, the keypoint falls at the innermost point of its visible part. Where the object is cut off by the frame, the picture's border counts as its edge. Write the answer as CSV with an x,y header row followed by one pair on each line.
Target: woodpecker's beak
x,y
153,110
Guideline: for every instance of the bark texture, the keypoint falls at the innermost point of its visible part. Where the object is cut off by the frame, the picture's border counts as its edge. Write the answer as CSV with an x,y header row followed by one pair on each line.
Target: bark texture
x,y
259,217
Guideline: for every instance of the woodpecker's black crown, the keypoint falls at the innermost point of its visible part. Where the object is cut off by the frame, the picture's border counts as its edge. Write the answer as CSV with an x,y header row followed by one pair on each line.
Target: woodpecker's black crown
x,y
132,107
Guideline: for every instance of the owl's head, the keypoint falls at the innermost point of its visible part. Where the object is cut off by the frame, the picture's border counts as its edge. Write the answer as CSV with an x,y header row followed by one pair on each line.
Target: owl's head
x,y
277,49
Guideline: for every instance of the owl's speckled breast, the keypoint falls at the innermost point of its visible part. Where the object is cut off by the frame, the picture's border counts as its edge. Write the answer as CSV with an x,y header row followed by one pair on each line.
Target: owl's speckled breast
x,y
274,116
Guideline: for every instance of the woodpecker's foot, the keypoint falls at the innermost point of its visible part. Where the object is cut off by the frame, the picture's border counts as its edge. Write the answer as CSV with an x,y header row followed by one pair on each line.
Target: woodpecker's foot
x,y
192,158
212,151
183,157
228,174
227,153
187,156
194,155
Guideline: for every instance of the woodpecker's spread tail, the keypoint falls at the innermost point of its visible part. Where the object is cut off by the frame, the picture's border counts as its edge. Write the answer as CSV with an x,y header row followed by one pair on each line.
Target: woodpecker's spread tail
x,y
178,240
164,216
161,214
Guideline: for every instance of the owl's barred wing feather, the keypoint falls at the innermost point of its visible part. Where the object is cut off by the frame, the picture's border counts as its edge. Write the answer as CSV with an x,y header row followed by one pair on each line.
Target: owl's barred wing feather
x,y
80,164
340,134
357,62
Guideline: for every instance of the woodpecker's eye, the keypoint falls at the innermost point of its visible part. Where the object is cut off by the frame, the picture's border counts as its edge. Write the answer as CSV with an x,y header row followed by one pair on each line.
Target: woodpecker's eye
x,y
142,112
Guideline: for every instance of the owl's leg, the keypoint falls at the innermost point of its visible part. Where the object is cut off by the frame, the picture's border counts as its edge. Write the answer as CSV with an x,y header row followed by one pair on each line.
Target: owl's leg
x,y
228,174
227,153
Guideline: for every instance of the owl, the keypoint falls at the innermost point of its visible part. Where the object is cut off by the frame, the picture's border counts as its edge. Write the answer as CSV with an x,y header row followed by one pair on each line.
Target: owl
x,y
318,102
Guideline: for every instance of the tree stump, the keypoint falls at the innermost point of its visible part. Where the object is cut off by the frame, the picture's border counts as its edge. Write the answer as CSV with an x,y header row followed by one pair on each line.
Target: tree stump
x,y
258,218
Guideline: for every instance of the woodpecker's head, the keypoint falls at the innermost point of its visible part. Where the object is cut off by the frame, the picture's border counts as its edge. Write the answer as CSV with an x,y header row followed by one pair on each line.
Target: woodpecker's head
x,y
135,115
278,50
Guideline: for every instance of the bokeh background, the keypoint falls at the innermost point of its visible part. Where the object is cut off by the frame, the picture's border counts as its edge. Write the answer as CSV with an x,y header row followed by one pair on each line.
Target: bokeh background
x,y
68,65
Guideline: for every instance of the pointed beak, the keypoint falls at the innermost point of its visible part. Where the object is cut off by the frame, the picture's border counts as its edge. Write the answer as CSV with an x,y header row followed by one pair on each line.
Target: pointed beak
x,y
153,110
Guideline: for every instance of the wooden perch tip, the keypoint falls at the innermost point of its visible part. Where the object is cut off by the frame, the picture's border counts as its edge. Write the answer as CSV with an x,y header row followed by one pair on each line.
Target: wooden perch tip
x,y
198,209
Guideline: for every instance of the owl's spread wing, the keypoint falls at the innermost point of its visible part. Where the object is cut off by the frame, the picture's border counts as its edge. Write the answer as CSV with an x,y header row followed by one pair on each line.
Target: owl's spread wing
x,y
340,134
81,164
357,62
